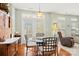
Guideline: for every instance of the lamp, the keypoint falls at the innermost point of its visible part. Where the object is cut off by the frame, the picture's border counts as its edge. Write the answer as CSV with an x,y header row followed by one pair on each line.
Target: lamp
x,y
54,28
39,13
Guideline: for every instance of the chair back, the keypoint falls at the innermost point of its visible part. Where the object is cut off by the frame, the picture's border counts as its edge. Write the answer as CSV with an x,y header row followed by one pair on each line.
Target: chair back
x,y
39,34
59,34
26,38
50,47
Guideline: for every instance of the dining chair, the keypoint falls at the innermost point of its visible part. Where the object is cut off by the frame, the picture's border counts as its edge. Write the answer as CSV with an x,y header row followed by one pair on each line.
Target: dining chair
x,y
49,47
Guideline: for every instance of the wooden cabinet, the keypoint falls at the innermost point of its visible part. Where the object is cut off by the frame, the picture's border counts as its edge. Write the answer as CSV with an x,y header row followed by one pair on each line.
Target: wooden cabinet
x,y
12,49
8,49
3,50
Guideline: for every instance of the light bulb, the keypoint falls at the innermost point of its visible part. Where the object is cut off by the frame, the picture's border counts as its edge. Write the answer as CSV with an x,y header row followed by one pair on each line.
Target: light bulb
x,y
39,14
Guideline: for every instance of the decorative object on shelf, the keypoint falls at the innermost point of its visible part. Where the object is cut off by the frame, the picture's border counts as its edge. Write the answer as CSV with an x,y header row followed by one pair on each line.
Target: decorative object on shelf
x,y
4,7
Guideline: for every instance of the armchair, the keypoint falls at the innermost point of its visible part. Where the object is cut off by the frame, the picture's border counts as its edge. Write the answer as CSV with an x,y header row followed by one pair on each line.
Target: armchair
x,y
66,41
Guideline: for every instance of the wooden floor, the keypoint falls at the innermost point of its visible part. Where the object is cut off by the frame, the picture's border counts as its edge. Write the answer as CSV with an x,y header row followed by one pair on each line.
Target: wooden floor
x,y
22,51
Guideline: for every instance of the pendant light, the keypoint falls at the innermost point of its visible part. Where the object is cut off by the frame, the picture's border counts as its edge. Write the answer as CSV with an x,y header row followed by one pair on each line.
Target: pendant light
x,y
39,13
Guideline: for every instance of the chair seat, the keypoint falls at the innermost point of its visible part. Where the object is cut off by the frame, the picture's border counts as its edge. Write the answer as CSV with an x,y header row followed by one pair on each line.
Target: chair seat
x,y
40,43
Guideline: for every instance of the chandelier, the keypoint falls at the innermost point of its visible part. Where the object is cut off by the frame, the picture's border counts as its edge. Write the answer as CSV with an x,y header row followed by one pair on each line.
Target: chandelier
x,y
39,13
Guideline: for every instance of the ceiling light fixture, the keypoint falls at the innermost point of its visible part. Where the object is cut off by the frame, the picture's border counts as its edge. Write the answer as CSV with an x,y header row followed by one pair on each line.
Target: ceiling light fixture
x,y
39,13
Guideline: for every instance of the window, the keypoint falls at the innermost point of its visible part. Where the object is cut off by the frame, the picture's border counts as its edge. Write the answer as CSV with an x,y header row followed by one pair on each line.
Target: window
x,y
61,18
61,22
73,19
74,25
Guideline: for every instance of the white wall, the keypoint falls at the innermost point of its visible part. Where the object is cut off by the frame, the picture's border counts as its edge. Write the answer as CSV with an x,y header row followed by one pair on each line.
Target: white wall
x,y
49,19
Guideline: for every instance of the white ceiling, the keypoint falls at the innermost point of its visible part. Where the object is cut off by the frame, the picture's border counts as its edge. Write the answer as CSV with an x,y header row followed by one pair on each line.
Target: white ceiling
x,y
61,8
